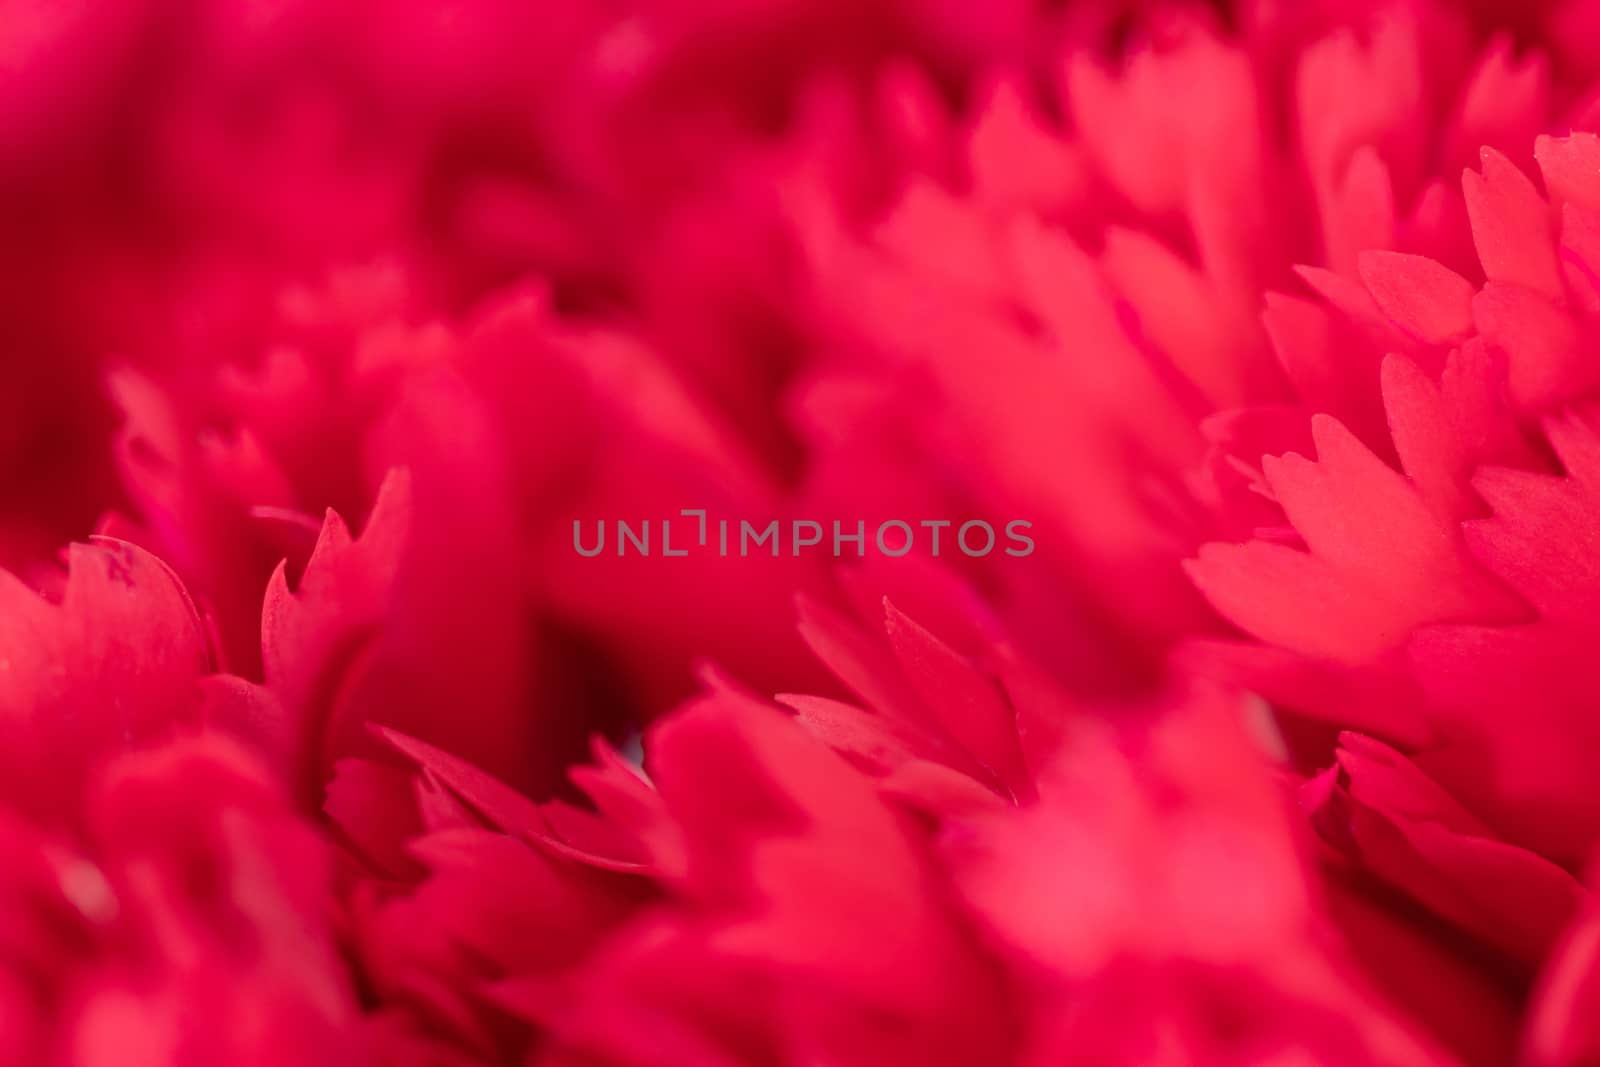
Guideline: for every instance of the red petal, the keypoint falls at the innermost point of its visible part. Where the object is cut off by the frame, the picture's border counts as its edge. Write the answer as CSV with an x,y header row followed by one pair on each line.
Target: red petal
x,y
1426,300
1571,168
1545,358
117,662
1511,226
497,802
966,703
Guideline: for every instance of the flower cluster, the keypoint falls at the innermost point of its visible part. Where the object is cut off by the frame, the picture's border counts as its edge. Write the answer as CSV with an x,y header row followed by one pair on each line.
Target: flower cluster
x,y
1124,474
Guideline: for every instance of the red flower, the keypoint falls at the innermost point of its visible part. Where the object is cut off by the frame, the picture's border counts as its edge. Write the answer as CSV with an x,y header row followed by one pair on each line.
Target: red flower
x,y
753,843
152,869
1276,746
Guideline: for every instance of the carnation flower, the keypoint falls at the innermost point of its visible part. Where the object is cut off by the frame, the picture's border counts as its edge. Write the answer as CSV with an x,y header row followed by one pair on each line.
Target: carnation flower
x,y
738,826
328,324
154,870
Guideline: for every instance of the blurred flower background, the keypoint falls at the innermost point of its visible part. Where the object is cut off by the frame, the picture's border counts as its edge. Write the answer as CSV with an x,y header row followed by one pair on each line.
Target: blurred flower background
x,y
323,321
